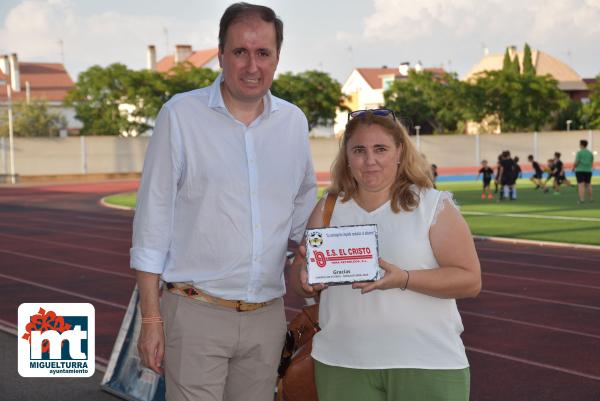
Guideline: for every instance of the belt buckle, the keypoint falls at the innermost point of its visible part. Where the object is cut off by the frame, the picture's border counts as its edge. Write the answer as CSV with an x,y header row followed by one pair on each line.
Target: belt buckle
x,y
243,306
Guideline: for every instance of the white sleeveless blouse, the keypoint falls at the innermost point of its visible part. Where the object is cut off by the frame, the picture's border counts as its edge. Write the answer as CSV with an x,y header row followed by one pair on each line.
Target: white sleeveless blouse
x,y
392,328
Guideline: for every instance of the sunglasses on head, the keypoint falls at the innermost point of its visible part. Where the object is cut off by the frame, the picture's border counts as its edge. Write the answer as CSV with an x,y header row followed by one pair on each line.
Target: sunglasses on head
x,y
375,112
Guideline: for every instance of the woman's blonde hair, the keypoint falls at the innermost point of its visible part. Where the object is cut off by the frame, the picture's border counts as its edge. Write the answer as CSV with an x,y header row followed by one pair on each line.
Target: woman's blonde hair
x,y
413,170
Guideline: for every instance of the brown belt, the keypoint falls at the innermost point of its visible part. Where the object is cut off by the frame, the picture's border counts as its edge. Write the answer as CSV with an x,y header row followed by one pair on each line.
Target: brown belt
x,y
187,290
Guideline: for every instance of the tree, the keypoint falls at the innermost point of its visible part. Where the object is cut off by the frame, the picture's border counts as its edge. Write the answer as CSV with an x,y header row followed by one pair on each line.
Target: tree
x,y
528,68
33,119
516,68
429,100
573,111
186,77
520,102
99,92
506,62
591,110
149,90
317,94
96,99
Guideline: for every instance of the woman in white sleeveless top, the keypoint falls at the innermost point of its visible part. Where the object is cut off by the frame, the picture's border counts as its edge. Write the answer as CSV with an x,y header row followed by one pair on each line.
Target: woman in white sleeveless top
x,y
397,338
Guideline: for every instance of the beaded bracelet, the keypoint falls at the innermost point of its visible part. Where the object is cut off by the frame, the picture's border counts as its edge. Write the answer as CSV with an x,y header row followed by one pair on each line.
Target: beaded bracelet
x,y
407,278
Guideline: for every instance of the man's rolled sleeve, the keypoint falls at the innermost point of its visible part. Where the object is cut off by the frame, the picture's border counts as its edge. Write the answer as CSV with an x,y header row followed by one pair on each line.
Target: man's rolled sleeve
x,y
147,260
155,207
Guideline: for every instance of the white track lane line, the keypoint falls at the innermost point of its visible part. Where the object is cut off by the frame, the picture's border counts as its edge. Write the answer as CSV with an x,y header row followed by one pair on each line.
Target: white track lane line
x,y
546,255
540,280
506,262
544,300
532,216
62,244
536,325
534,363
78,234
71,293
63,223
84,296
70,264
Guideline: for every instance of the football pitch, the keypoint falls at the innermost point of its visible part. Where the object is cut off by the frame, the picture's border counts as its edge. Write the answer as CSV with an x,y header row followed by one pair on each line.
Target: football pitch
x,y
534,215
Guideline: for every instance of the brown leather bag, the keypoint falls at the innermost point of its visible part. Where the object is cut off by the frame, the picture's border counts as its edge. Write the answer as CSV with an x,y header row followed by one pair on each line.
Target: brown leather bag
x,y
297,368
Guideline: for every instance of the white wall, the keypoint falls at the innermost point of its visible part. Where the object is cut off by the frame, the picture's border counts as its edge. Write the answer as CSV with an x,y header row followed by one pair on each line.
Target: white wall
x,y
109,154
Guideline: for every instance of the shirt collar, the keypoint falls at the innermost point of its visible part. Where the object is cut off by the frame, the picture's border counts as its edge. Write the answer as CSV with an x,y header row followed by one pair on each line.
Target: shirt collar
x,y
215,99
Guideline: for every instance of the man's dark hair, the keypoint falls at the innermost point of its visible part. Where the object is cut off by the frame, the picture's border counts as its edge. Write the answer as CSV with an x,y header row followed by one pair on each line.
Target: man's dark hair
x,y
583,143
530,157
238,11
557,155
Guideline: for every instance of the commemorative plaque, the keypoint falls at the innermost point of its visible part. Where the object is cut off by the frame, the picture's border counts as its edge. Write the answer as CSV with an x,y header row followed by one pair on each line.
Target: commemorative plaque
x,y
338,255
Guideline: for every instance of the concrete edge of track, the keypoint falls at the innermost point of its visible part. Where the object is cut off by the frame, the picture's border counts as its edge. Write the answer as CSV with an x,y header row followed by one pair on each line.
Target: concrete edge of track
x,y
547,244
104,203
477,237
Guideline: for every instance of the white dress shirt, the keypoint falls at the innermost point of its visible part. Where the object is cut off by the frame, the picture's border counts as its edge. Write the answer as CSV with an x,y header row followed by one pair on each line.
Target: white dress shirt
x,y
218,200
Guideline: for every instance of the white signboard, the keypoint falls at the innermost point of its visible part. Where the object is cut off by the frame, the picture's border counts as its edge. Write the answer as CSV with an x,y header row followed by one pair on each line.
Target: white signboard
x,y
342,254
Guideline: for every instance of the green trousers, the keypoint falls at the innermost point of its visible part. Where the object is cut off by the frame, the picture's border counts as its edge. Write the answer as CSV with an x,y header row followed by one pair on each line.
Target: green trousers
x,y
335,383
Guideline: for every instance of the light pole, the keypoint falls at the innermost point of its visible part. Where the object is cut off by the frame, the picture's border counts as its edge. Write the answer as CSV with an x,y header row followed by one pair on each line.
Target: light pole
x,y
418,129
11,146
569,125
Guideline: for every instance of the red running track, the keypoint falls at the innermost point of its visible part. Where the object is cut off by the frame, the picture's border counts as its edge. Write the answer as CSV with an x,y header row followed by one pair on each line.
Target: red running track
x,y
532,334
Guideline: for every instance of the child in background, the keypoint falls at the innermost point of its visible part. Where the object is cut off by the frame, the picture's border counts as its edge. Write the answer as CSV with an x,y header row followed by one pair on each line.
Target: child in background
x,y
558,172
486,172
434,173
548,170
496,183
538,173
506,176
517,173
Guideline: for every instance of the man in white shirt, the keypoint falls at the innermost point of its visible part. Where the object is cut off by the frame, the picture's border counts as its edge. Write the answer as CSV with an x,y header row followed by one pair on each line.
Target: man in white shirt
x,y
227,179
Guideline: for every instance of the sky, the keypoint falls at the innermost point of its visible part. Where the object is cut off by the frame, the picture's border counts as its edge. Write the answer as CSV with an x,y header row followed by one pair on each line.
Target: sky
x,y
330,35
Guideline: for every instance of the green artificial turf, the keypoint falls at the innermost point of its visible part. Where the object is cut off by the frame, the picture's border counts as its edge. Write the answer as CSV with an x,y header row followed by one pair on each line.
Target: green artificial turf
x,y
125,199
534,215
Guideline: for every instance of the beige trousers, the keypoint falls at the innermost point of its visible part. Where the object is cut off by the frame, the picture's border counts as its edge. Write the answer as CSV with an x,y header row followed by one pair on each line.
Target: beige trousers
x,y
213,353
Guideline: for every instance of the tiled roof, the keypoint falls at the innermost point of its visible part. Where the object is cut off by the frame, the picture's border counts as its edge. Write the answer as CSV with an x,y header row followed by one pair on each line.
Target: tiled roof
x,y
198,58
544,64
48,81
373,75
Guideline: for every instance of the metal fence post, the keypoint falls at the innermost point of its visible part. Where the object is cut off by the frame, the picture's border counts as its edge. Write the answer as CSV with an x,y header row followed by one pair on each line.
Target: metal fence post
x,y
83,154
535,145
4,162
477,149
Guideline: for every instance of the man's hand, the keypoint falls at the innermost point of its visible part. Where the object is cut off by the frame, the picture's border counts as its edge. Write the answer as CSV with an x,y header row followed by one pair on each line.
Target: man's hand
x,y
151,343
394,277
151,346
300,274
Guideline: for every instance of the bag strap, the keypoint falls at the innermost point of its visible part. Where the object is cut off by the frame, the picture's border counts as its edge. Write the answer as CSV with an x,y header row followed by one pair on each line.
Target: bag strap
x,y
328,209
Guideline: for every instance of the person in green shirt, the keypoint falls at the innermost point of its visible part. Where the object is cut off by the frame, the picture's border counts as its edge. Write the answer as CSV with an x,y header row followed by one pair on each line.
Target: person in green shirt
x,y
583,166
